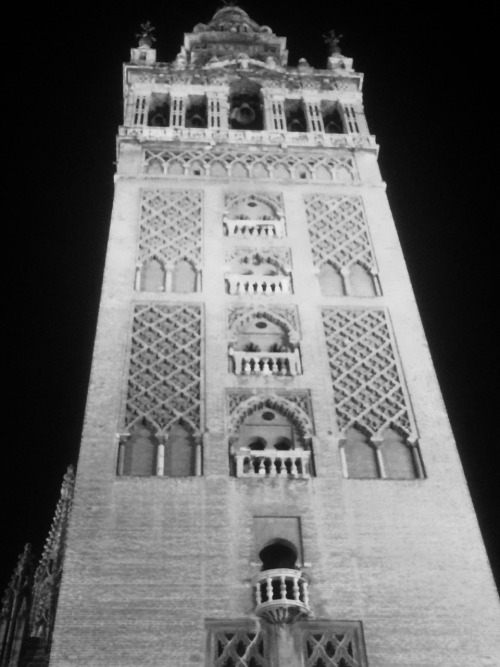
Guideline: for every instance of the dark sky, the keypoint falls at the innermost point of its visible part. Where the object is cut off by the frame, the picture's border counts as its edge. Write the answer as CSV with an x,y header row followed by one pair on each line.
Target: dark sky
x,y
428,77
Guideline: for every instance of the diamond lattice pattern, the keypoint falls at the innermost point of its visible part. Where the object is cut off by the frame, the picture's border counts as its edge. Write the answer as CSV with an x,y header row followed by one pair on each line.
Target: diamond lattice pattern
x,y
164,374
330,649
239,649
171,226
366,381
338,231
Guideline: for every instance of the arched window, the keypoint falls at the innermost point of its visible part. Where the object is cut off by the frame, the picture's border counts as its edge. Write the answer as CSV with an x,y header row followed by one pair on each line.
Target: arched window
x,y
251,207
180,452
175,168
159,110
361,281
138,452
184,277
332,119
270,428
295,116
196,111
245,106
278,554
263,334
152,276
398,456
239,170
330,281
360,455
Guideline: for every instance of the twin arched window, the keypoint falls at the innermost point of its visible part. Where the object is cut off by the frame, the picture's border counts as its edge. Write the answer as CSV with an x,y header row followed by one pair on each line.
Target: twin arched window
x,y
356,281
144,454
391,457
154,277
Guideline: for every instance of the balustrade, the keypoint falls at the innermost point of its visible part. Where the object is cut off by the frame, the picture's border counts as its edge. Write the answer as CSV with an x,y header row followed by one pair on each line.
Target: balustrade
x,y
295,463
266,363
255,284
265,229
281,595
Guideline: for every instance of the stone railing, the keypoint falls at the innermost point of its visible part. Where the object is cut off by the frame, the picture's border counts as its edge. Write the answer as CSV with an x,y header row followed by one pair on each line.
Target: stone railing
x,y
255,284
263,229
290,463
266,363
188,134
281,595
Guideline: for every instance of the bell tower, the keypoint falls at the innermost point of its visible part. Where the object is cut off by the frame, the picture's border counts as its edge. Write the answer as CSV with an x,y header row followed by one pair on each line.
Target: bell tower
x,y
267,475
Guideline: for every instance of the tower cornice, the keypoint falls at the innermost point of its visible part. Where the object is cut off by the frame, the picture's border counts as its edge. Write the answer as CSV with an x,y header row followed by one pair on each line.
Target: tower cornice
x,y
224,73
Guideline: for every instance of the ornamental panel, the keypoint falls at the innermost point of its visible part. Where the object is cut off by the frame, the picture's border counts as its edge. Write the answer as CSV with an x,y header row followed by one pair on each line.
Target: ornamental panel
x,y
164,382
366,380
170,227
239,648
279,257
235,200
285,316
337,647
321,166
338,231
295,404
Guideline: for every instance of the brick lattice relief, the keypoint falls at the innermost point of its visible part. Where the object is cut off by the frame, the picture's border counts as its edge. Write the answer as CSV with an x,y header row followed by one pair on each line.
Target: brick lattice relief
x,y
319,166
331,649
338,231
239,648
366,380
165,366
170,227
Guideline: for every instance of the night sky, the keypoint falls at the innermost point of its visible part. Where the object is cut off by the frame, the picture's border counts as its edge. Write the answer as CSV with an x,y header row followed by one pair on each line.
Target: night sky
x,y
428,78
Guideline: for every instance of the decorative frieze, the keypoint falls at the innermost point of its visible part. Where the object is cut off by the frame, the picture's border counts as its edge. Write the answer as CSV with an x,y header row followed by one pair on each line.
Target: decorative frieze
x,y
338,167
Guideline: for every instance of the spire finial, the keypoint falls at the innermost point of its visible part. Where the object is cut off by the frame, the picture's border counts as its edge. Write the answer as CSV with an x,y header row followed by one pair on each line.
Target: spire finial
x,y
332,40
145,36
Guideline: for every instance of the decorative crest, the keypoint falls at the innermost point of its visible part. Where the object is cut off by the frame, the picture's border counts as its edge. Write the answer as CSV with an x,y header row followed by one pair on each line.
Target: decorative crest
x,y
332,40
145,36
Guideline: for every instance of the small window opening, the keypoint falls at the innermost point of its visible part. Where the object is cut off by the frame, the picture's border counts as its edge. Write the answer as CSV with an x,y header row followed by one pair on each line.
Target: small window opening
x,y
159,110
257,444
245,106
332,119
295,116
278,555
196,111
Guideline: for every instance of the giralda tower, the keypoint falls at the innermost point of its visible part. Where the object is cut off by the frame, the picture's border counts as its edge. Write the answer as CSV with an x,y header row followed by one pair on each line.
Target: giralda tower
x,y
267,475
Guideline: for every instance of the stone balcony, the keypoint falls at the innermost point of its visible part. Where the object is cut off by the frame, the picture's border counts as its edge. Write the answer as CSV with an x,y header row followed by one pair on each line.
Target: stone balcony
x,y
266,363
255,229
250,285
281,595
290,463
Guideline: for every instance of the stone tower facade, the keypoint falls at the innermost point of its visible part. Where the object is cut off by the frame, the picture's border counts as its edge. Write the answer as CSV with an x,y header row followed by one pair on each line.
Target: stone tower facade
x,y
267,475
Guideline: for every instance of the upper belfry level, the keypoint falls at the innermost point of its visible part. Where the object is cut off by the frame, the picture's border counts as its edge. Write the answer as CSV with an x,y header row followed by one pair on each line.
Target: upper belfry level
x,y
230,83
